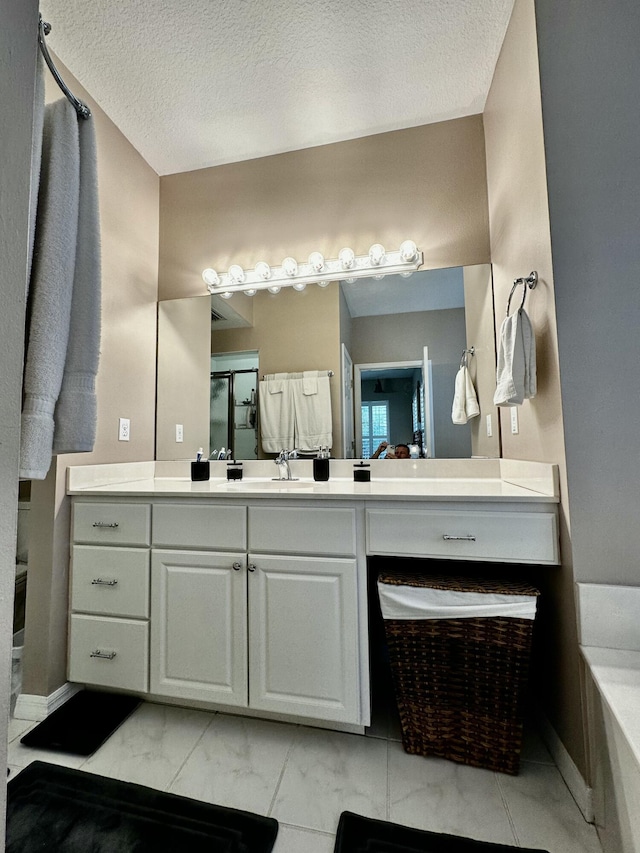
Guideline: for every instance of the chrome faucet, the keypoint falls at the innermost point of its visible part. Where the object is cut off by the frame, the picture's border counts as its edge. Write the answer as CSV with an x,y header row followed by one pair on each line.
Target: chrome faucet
x,y
284,469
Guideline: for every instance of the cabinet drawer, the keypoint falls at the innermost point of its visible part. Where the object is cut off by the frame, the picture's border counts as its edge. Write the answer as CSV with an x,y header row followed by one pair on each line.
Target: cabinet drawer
x,y
200,526
110,652
110,581
519,537
111,523
301,530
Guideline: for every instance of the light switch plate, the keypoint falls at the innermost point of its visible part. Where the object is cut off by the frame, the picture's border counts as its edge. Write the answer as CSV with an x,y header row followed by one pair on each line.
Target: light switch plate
x,y
179,432
514,420
489,427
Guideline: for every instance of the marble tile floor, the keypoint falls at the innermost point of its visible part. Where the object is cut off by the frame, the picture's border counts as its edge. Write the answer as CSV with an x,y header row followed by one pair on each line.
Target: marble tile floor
x,y
305,777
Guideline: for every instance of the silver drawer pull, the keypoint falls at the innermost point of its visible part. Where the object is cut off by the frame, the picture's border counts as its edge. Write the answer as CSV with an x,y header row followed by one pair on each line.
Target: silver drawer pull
x,y
100,582
105,524
103,655
468,538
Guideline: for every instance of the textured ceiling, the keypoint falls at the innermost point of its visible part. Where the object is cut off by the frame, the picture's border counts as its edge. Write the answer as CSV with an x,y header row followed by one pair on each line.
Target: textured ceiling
x,y
196,83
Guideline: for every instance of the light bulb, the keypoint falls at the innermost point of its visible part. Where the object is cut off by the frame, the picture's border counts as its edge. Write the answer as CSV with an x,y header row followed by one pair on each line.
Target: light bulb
x,y
226,295
210,277
323,284
350,280
236,274
263,270
347,258
299,285
378,277
250,292
316,261
407,274
290,267
376,254
408,251
275,289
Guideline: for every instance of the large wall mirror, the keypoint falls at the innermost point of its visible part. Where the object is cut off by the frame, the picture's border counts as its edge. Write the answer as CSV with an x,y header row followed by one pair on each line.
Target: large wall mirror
x,y
392,348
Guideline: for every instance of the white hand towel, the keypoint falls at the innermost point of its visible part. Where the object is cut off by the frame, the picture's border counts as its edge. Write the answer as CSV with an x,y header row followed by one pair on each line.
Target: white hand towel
x,y
516,366
530,369
277,425
465,402
510,364
276,383
313,422
310,382
471,405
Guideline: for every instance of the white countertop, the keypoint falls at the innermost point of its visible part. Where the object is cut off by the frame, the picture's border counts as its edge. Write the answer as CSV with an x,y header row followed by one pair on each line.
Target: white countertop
x,y
439,480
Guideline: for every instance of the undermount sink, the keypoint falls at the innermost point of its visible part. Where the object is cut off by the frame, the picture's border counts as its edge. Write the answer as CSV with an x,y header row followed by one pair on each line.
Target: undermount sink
x,y
277,485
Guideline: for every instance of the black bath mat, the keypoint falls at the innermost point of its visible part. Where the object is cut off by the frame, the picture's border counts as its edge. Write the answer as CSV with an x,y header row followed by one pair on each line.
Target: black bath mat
x,y
358,834
51,808
83,723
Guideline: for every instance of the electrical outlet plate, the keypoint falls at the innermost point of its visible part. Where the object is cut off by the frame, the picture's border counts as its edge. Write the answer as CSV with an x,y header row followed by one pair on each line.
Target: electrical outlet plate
x,y
124,429
489,427
179,432
514,420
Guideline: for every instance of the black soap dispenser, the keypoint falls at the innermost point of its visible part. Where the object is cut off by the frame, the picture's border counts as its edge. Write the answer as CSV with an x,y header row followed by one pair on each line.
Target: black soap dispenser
x,y
321,465
362,473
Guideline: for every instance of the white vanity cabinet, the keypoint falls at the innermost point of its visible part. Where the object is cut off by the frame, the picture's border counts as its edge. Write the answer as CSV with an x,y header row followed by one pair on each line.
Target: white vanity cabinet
x,y
109,621
275,629
471,533
306,600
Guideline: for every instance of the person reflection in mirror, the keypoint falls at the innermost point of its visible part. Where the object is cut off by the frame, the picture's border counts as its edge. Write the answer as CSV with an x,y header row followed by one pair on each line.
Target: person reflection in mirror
x,y
401,451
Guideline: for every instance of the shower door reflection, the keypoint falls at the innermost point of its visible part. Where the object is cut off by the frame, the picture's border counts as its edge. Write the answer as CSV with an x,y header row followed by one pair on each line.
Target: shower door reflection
x,y
234,412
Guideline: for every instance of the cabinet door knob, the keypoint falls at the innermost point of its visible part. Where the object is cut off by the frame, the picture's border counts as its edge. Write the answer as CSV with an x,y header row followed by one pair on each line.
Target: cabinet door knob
x,y
251,567
237,567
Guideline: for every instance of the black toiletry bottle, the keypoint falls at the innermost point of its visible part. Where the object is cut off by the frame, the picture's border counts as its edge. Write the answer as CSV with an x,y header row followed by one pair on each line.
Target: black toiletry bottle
x,y
362,473
321,465
234,470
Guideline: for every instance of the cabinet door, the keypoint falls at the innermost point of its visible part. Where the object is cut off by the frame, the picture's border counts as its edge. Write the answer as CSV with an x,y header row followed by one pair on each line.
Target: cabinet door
x,y
303,637
199,626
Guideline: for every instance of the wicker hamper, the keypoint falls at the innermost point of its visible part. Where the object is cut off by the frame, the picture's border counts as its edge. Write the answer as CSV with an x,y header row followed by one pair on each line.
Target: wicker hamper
x,y
460,682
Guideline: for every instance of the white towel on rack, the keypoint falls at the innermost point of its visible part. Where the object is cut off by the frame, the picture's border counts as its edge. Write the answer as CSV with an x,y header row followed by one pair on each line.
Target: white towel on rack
x,y
516,364
465,401
309,381
277,422
313,420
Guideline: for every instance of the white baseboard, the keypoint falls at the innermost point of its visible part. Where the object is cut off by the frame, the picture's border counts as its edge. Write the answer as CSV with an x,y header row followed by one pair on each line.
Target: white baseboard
x,y
37,708
580,791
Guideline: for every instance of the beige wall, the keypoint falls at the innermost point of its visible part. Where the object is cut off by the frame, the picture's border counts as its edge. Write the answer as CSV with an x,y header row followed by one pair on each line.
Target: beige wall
x,y
129,205
520,242
184,364
479,320
425,183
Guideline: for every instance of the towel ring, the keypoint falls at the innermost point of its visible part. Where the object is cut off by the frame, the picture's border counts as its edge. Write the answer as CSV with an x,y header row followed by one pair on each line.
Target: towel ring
x,y
464,361
529,282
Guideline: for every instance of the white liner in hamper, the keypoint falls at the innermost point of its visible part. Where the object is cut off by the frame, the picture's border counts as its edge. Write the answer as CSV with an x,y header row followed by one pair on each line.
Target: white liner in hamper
x,y
413,602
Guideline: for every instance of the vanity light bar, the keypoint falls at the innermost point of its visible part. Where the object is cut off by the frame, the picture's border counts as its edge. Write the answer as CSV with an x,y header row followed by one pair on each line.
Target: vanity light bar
x,y
318,270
